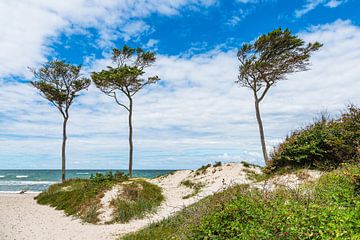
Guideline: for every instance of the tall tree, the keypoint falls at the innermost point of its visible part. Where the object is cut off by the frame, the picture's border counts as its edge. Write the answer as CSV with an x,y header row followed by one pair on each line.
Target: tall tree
x,y
126,79
269,60
60,82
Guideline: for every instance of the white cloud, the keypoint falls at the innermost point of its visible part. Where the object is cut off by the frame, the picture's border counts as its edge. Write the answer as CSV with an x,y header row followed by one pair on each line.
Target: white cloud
x,y
194,116
151,43
312,4
29,27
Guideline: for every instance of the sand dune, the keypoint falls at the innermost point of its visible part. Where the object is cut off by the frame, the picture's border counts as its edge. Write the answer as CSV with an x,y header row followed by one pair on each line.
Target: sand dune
x,y
22,218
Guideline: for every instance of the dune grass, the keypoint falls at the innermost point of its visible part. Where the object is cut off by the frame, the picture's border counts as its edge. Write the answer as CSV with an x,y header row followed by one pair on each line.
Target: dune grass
x,y
81,197
138,198
196,187
326,209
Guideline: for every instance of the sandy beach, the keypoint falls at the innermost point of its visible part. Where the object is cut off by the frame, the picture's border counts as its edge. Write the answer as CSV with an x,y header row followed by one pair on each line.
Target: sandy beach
x,y
22,218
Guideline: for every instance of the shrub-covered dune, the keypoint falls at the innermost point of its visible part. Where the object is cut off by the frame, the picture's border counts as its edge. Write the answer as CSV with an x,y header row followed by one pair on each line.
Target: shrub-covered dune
x,y
326,209
82,197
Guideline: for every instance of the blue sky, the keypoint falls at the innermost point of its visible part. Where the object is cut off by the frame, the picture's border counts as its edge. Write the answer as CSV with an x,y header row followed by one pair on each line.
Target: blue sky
x,y
196,114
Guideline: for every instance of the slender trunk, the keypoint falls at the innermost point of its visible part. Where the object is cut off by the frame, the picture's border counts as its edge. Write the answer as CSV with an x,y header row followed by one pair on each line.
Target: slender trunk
x,y
130,138
63,151
261,129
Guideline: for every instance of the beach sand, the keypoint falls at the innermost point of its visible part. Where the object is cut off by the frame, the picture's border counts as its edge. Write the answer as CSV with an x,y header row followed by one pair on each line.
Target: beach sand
x,y
22,218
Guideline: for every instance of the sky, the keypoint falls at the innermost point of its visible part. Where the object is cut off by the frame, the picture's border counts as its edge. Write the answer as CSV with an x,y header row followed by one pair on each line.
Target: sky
x,y
196,114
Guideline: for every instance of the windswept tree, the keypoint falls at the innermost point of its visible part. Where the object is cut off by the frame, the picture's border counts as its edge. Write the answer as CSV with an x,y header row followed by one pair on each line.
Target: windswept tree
x,y
126,79
60,83
269,60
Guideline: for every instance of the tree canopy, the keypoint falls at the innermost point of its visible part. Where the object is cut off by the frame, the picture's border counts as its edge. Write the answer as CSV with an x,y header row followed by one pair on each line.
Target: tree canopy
x,y
60,82
271,58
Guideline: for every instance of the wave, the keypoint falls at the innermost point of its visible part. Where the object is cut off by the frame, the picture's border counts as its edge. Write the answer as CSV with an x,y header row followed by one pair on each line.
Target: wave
x,y
17,192
80,173
26,183
21,176
1,176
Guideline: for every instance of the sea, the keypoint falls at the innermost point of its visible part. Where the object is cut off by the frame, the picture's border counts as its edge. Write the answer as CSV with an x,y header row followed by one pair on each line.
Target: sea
x,y
14,181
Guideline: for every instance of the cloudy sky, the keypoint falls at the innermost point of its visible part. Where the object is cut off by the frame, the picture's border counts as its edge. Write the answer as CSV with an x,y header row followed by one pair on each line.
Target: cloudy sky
x,y
197,114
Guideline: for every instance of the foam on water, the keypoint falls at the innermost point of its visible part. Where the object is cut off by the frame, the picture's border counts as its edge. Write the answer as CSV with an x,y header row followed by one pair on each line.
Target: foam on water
x,y
25,183
80,173
22,176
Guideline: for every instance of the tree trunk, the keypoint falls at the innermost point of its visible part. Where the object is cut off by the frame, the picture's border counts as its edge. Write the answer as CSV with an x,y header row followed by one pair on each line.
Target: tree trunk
x,y
63,151
130,138
261,129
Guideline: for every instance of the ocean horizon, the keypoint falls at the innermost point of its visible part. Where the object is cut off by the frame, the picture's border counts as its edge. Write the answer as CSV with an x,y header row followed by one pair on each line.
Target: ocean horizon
x,y
38,180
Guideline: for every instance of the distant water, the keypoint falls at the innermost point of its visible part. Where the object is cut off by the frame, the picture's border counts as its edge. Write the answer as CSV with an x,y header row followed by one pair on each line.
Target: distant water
x,y
14,181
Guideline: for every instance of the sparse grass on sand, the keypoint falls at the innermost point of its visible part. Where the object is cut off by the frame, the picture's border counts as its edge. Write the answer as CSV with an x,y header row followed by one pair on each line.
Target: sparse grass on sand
x,y
196,187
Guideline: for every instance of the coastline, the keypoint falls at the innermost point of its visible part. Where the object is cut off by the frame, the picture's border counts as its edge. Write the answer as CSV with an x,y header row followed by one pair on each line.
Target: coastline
x,y
22,218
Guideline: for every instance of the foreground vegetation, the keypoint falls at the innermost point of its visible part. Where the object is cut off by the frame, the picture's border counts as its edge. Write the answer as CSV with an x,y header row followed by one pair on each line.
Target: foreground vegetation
x,y
323,145
327,209
138,198
81,197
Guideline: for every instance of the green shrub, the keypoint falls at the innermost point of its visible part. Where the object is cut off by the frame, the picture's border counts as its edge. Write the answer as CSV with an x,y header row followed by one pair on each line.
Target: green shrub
x,y
323,145
118,176
331,210
328,209
183,223
138,198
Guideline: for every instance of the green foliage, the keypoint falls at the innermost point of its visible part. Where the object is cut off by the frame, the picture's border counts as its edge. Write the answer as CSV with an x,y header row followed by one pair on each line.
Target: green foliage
x,y
254,176
183,223
327,209
81,197
59,82
138,198
193,185
324,144
78,197
118,176
217,164
126,77
271,57
202,169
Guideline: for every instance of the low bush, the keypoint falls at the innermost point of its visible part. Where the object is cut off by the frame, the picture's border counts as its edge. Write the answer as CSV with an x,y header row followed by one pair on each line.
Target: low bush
x,y
322,145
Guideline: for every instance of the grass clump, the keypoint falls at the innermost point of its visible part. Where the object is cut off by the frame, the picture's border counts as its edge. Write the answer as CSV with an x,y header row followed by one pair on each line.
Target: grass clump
x,y
193,185
138,198
326,209
202,169
217,164
255,176
80,197
323,145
